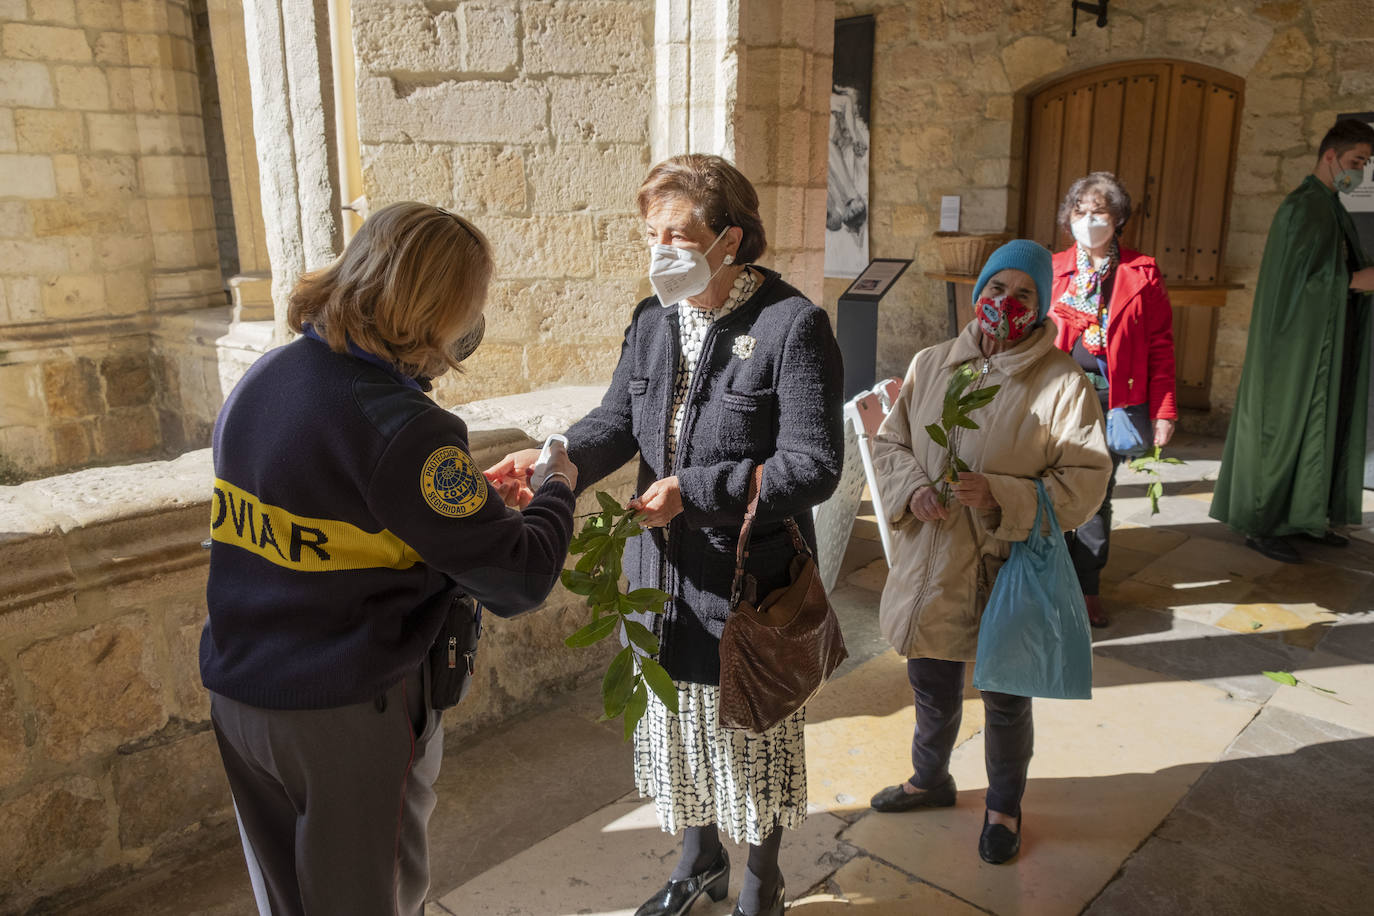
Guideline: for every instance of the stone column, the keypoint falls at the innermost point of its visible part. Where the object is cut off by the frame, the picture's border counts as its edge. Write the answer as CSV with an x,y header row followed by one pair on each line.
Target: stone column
x,y
252,287
750,80
293,99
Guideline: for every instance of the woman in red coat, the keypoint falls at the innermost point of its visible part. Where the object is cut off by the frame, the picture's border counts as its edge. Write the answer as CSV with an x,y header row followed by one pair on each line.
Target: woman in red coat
x,y
1113,316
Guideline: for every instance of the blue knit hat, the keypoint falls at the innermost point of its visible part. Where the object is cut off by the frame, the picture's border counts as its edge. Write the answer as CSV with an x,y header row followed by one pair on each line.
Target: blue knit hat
x,y
1026,256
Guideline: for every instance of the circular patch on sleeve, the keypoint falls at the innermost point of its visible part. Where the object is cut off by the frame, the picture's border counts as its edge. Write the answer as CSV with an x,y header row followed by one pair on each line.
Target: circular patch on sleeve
x,y
451,483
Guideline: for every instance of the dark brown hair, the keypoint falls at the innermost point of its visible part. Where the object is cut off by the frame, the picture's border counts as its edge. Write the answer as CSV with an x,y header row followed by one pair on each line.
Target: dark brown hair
x,y
410,283
719,193
1344,134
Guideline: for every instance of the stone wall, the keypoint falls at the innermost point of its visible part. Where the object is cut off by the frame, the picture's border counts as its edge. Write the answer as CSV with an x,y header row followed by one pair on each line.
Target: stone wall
x,y
532,119
949,76
105,221
108,762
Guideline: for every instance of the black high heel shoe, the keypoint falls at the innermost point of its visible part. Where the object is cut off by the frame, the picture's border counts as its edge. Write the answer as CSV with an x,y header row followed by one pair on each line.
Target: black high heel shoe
x,y
774,906
677,897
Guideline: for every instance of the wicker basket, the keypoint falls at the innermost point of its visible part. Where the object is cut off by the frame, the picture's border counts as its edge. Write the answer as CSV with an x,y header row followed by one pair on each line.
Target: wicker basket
x,y
966,253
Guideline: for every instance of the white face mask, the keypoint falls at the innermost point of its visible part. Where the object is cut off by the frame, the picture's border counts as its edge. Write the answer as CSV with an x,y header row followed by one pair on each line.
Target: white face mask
x,y
1092,231
680,273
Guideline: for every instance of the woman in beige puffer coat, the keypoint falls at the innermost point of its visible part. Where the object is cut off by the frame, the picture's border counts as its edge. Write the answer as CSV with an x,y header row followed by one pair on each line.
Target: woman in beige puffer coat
x,y
1044,422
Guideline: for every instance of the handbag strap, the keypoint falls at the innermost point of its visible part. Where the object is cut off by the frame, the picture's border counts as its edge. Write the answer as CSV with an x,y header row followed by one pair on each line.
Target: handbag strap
x,y
746,530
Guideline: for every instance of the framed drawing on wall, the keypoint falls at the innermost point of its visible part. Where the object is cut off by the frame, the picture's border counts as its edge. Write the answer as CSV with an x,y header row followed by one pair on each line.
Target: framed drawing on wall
x,y
846,199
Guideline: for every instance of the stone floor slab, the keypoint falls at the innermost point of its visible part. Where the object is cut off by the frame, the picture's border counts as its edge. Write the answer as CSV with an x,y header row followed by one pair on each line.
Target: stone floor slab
x,y
1154,541
1257,833
867,887
1201,602
1301,625
1202,561
1193,651
1332,588
1352,637
1350,705
1099,784
610,862
858,734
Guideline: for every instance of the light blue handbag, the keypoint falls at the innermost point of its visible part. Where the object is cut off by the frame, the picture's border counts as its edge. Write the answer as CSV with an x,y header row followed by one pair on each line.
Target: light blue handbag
x,y
1128,430
1034,640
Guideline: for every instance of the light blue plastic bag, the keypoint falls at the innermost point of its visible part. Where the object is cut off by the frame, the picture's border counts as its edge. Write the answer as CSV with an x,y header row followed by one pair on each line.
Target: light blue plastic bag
x,y
1034,641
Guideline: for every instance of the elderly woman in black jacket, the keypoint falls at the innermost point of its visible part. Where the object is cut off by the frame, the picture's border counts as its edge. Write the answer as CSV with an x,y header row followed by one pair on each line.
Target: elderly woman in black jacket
x,y
725,368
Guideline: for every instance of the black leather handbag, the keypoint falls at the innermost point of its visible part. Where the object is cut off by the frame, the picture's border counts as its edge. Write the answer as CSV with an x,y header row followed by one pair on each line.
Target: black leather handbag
x,y
452,658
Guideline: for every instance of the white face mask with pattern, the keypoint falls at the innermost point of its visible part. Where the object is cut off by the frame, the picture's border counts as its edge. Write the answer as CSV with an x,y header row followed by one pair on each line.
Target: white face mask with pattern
x,y
680,273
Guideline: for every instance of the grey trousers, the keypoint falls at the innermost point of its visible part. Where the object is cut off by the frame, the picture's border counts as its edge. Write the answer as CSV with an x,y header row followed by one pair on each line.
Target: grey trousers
x,y
1008,732
334,804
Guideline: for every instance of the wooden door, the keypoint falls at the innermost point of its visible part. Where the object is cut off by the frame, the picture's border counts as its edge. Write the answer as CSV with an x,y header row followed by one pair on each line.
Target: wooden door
x,y
1168,130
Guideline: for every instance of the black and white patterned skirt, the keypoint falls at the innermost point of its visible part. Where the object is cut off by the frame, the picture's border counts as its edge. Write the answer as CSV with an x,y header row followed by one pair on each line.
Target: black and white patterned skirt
x,y
699,773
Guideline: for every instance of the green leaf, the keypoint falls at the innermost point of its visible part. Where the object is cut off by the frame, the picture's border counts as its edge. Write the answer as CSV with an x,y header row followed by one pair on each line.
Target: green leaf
x,y
980,398
965,422
1156,490
1141,465
641,636
960,464
608,503
1255,625
592,633
645,599
634,708
1283,677
960,380
610,562
591,557
1172,460
659,682
618,682
605,594
579,583
937,435
627,527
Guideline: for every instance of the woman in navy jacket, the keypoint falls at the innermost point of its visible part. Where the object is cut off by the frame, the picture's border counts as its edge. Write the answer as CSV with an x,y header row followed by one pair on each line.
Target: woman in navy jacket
x,y
347,516
728,367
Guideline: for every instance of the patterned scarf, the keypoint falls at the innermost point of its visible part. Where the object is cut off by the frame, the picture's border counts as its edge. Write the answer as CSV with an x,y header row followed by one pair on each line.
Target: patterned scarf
x,y
1083,306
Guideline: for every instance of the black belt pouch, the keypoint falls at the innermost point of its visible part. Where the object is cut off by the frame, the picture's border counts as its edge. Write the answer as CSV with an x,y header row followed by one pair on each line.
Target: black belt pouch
x,y
452,657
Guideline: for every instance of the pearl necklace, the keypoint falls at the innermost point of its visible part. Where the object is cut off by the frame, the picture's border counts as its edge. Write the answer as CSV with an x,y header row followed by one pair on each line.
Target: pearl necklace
x,y
743,288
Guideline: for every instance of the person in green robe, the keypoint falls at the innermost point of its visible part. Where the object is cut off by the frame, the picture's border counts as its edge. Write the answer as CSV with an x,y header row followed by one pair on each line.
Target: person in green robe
x,y
1294,453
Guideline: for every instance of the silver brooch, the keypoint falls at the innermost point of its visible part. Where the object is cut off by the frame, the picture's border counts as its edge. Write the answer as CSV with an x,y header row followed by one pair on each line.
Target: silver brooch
x,y
744,346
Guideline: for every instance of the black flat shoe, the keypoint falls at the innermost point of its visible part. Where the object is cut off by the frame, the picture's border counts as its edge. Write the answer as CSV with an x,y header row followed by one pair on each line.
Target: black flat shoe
x,y
896,798
1329,539
997,844
1274,549
677,897
774,907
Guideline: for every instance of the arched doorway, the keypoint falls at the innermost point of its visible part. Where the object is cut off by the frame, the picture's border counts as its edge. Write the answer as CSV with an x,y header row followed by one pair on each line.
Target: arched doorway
x,y
1168,129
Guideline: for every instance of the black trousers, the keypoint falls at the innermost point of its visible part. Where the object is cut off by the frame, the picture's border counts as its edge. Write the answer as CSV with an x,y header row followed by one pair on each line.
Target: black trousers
x,y
1008,734
1090,542
333,804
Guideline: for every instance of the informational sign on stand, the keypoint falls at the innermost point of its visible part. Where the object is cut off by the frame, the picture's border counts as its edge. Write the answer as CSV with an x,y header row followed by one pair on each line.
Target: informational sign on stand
x,y
857,326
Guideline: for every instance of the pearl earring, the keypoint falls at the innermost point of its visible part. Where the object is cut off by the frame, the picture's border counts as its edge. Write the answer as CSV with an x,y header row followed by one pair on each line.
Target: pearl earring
x,y
729,259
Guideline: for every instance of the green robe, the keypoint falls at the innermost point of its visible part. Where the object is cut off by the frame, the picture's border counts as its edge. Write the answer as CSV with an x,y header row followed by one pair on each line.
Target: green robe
x,y
1294,458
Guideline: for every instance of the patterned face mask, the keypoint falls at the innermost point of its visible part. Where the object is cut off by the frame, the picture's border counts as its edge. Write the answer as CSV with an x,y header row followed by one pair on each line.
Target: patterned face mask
x,y
1004,317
